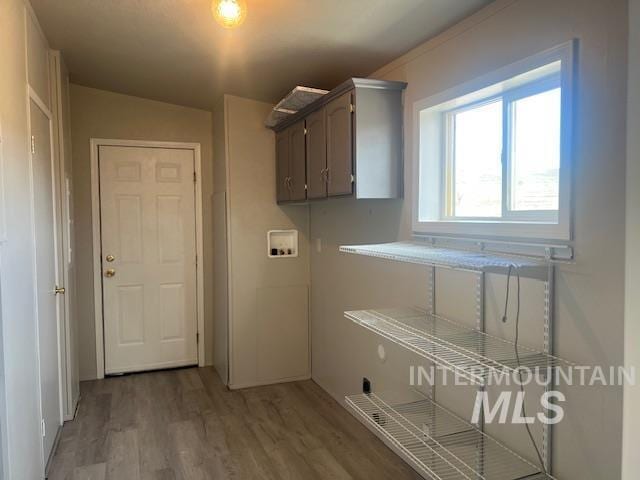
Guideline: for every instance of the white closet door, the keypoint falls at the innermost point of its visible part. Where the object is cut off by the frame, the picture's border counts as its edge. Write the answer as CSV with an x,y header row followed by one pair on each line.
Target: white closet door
x,y
147,199
46,276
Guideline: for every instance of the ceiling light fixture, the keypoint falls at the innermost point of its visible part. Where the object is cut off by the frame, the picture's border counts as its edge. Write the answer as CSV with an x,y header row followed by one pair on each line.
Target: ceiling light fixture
x,y
229,13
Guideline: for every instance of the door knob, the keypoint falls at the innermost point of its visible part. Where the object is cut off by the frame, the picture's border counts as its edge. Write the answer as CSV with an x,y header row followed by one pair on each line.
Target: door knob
x,y
59,290
109,272
110,258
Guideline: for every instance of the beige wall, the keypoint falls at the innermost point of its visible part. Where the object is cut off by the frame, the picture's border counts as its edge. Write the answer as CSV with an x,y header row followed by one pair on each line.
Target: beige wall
x,y
589,313
268,298
631,460
19,389
101,114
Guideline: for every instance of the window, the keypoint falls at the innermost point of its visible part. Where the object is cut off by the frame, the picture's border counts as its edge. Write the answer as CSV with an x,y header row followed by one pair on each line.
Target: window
x,y
494,160
503,155
474,150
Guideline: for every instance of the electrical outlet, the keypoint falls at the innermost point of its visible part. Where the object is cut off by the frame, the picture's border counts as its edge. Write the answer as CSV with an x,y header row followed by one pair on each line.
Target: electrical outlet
x,y
366,385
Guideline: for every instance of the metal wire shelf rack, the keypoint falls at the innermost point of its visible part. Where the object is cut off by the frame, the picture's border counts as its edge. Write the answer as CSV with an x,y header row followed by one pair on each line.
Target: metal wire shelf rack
x,y
438,443
423,253
467,352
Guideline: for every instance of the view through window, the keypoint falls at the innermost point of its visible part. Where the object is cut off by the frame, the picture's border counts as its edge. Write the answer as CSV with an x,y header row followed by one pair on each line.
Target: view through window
x,y
503,155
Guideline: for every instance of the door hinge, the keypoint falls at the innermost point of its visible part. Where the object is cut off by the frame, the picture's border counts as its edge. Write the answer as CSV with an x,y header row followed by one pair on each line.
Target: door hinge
x,y
353,179
196,260
305,130
195,177
198,337
352,108
306,187
44,428
33,144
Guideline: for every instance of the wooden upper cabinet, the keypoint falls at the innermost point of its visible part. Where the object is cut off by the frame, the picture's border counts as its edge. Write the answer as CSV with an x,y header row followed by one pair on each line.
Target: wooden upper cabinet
x,y
339,146
282,166
316,155
297,163
352,144
290,164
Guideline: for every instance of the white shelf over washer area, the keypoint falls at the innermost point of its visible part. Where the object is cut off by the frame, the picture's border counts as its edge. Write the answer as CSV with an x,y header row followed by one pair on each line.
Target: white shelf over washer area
x,y
439,444
296,100
476,261
464,351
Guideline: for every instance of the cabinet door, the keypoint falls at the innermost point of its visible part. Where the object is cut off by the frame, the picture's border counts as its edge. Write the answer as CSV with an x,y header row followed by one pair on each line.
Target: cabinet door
x,y
316,155
282,166
297,162
339,145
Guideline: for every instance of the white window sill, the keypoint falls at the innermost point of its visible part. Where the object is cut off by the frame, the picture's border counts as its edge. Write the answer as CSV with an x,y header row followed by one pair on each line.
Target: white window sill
x,y
496,229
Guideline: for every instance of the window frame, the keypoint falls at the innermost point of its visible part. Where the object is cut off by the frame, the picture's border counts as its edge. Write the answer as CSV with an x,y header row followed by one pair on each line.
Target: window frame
x,y
511,82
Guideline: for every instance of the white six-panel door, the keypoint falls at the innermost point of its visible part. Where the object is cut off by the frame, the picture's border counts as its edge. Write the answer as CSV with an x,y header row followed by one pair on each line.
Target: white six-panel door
x,y
148,232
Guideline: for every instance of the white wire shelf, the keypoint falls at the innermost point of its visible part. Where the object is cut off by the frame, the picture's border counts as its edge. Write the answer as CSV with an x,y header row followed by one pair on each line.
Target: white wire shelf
x,y
425,254
296,100
439,444
466,352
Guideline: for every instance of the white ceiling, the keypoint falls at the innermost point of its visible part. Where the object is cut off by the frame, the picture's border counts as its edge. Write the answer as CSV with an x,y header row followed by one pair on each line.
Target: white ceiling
x,y
173,50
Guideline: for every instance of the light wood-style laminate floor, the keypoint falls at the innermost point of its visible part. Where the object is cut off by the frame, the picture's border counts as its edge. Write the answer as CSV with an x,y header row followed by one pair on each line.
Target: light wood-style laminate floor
x,y
185,425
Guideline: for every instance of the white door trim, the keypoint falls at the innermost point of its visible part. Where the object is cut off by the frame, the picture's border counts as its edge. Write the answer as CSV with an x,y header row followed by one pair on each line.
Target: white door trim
x,y
69,404
96,143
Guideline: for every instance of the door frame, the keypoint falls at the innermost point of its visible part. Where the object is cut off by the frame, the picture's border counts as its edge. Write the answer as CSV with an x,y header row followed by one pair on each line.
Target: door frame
x,y
95,144
62,158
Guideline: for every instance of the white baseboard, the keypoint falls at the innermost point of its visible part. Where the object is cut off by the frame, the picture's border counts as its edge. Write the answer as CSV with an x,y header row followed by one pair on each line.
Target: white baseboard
x,y
238,386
